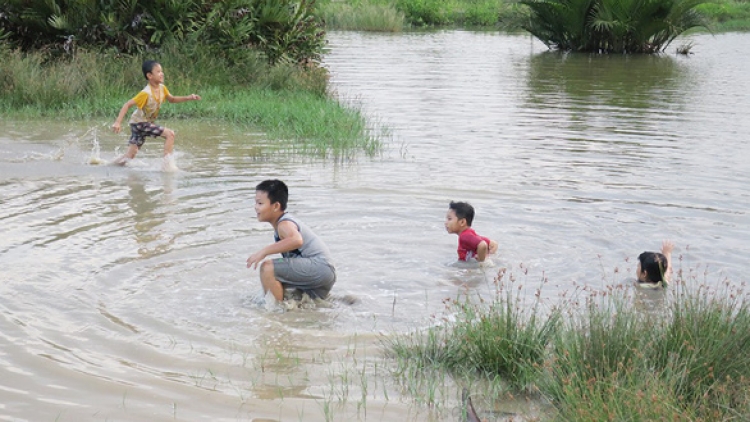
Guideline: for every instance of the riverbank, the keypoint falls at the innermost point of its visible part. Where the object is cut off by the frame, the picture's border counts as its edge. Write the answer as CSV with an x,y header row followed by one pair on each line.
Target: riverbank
x,y
286,102
398,15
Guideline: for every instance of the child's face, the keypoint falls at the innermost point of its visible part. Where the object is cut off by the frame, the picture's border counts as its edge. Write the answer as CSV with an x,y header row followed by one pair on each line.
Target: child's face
x,y
640,275
156,76
264,209
453,224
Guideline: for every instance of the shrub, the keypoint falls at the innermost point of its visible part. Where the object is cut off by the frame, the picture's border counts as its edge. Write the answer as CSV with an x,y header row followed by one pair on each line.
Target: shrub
x,y
611,26
283,30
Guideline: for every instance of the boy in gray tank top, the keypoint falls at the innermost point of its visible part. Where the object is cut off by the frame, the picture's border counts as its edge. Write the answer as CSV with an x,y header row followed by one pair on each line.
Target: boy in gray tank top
x,y
305,263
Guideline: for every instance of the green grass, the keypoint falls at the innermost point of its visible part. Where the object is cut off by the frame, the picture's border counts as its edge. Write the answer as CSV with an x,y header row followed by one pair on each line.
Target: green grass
x,y
394,15
286,102
373,17
504,338
605,359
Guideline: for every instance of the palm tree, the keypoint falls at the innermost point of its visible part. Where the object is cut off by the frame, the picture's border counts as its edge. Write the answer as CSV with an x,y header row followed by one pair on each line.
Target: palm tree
x,y
612,26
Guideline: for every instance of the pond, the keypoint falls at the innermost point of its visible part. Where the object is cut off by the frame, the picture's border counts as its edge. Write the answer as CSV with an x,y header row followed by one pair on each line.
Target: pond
x,y
125,292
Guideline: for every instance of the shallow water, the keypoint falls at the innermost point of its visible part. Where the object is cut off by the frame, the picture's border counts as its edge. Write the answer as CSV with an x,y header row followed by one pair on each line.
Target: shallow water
x,y
125,291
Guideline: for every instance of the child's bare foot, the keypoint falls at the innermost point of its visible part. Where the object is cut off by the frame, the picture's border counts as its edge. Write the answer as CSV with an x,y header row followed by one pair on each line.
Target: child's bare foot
x,y
121,161
168,164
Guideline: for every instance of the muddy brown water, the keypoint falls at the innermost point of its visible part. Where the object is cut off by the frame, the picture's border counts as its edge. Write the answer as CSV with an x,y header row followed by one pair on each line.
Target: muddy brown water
x,y
124,290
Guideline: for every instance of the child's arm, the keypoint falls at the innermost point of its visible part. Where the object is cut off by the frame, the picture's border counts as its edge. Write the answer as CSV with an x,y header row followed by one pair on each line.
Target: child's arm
x,y
291,239
181,99
666,249
484,248
123,111
493,247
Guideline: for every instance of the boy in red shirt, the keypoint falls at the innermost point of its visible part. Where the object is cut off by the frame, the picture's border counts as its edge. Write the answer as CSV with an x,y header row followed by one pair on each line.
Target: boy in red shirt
x,y
470,244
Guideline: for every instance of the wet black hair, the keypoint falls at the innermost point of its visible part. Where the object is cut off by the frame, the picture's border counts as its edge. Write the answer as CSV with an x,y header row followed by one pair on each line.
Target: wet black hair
x,y
148,67
276,191
655,264
463,210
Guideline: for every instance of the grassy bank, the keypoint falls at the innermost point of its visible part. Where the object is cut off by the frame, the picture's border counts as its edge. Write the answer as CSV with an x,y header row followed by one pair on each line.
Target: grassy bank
x,y
286,102
727,15
599,356
396,15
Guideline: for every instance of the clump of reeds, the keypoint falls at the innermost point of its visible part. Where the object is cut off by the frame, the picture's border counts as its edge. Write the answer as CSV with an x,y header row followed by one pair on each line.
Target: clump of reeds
x,y
690,363
505,337
606,359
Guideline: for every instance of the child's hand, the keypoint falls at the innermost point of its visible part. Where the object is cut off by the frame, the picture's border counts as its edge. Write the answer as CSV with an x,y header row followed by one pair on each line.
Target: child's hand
x,y
666,247
116,127
255,259
194,97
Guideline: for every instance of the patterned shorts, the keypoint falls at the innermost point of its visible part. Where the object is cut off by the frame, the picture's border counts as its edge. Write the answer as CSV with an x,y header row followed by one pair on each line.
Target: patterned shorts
x,y
139,132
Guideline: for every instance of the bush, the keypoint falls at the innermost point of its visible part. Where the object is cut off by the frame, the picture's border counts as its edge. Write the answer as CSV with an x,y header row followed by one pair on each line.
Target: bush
x,y
283,30
611,26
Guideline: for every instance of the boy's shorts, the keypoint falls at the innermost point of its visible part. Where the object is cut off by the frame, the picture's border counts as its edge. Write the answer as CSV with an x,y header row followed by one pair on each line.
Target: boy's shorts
x,y
139,132
313,276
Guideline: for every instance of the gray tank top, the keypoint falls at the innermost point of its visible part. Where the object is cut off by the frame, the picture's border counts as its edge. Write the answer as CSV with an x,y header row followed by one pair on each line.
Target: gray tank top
x,y
312,246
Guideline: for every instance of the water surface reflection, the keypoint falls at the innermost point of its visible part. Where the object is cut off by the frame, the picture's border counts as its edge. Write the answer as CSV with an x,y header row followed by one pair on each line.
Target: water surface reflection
x,y
127,297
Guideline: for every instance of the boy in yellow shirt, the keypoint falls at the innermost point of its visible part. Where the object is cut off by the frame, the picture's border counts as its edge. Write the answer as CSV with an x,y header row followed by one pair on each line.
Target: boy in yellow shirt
x,y
148,102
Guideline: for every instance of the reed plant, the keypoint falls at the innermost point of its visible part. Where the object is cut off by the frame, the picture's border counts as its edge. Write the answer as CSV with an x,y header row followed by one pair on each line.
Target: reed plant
x,y
688,363
704,349
505,337
604,358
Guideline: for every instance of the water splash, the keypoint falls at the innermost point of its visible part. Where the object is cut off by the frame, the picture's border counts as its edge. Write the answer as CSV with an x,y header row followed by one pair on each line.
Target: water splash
x,y
95,157
169,165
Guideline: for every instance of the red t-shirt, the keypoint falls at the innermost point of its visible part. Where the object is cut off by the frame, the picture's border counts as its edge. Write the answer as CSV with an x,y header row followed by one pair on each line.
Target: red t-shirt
x,y
468,241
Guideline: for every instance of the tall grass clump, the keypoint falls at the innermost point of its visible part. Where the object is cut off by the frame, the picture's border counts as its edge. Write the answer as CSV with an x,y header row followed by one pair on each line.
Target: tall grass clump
x,y
705,349
362,16
503,338
613,362
604,358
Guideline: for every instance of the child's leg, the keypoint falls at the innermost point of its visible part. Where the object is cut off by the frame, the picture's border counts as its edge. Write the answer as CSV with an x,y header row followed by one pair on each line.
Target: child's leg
x,y
129,155
269,281
168,134
132,151
137,138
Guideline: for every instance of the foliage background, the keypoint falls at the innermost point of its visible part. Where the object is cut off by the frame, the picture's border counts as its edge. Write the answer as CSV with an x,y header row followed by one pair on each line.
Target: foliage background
x,y
282,30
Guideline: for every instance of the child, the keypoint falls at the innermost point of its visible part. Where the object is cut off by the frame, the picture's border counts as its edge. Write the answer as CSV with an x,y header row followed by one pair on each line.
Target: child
x,y
470,244
148,102
305,264
654,269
